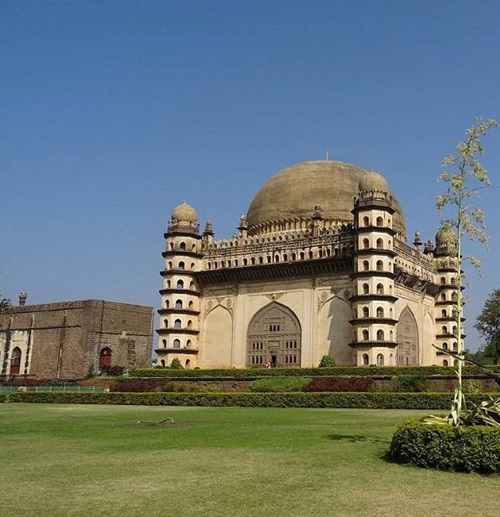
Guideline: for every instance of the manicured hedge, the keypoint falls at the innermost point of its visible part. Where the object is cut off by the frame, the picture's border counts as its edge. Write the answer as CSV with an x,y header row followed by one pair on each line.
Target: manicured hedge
x,y
312,400
3,398
461,449
337,371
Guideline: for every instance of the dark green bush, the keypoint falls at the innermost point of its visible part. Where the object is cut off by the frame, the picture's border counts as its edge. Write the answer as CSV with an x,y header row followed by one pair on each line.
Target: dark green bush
x,y
429,401
461,449
414,383
342,384
327,362
3,398
278,384
176,364
336,371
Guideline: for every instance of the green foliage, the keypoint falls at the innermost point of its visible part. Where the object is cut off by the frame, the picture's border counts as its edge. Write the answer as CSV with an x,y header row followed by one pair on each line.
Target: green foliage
x,y
429,401
278,384
488,325
473,387
3,398
176,364
326,362
446,447
337,371
412,383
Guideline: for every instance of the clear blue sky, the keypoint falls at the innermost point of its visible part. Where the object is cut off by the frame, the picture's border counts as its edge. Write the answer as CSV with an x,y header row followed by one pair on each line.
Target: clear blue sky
x,y
114,112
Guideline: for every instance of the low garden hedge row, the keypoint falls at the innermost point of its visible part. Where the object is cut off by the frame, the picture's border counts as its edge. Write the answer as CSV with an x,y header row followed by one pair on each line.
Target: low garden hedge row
x,y
336,371
461,449
434,401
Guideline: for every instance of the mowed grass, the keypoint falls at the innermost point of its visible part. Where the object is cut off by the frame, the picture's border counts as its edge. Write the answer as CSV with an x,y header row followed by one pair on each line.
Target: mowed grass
x,y
69,460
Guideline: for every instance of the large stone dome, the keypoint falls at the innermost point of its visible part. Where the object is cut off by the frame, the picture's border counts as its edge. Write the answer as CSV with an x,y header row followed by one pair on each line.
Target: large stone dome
x,y
295,191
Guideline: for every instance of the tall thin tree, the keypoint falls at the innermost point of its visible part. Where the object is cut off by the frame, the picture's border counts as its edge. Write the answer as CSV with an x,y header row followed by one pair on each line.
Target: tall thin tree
x,y
466,177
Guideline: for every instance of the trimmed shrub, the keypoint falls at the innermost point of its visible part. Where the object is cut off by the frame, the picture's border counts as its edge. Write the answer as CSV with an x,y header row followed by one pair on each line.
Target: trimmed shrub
x,y
278,384
176,364
346,384
337,371
326,362
429,401
3,398
412,383
461,449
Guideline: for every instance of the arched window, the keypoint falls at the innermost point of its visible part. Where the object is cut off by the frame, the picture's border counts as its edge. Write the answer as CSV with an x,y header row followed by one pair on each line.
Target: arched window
x,y
168,284
177,343
261,260
269,260
443,280
380,335
455,346
366,360
366,221
443,313
180,284
190,305
165,323
444,330
380,243
276,258
105,358
177,324
366,312
443,297
366,335
366,265
182,266
188,343
380,265
167,304
170,265
182,246
454,296
253,261
245,262
15,363
164,343
380,312
380,359
380,289
366,289
187,364
455,330
445,362
366,244
380,221
445,346
391,335
189,324
178,304
192,265
453,280
162,363
302,256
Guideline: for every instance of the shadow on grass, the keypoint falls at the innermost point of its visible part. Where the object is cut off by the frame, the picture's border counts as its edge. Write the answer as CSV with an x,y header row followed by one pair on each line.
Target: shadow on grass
x,y
356,438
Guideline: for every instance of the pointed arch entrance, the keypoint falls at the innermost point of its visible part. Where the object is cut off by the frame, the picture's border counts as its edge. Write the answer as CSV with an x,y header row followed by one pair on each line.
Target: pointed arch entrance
x,y
274,337
407,351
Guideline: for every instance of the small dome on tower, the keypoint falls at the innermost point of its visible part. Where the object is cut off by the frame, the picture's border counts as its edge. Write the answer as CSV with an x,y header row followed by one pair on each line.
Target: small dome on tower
x,y
373,181
446,236
184,212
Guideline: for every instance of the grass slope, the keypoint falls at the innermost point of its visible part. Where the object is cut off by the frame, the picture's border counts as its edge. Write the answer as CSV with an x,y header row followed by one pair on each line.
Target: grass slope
x,y
58,460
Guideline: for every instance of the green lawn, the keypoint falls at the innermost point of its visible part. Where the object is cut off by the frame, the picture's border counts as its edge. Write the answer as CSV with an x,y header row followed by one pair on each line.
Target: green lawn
x,y
65,460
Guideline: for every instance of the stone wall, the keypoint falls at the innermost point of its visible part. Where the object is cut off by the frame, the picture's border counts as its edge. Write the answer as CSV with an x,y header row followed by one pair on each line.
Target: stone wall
x,y
66,338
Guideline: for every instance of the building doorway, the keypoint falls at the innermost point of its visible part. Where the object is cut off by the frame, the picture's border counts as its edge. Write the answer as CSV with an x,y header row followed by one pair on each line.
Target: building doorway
x,y
274,338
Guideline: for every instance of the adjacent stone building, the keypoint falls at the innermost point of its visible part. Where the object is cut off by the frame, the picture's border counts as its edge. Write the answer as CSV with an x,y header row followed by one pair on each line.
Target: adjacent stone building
x,y
68,340
320,266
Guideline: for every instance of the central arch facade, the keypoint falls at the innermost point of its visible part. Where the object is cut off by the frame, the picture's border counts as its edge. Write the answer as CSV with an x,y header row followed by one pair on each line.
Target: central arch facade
x,y
274,337
407,351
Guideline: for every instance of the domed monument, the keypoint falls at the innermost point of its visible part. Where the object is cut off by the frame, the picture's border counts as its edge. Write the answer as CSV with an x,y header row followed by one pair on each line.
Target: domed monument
x,y
320,266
